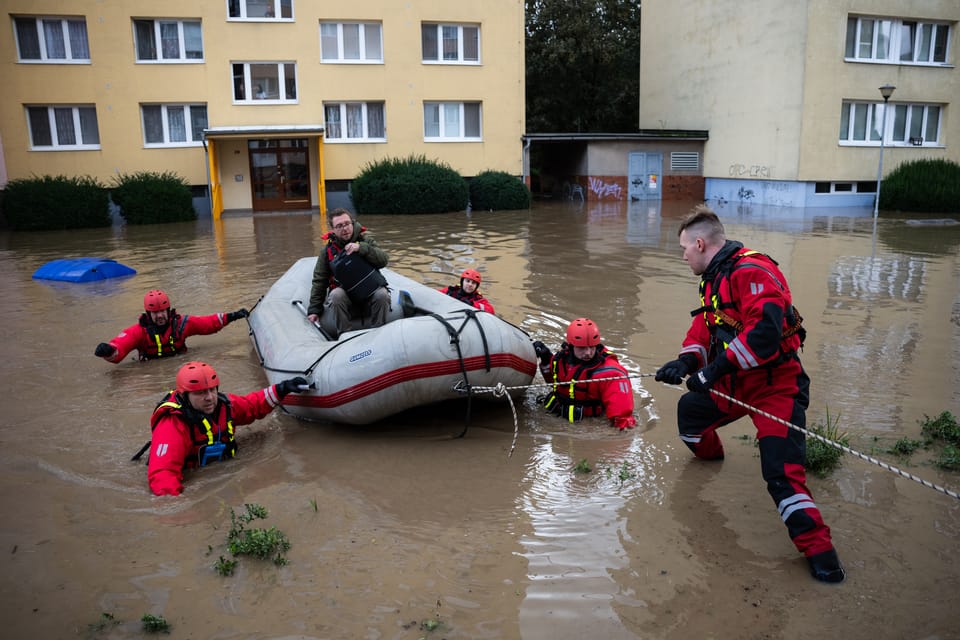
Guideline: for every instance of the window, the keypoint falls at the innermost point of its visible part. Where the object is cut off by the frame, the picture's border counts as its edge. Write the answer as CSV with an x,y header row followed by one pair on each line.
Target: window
x,y
173,125
906,124
451,121
353,122
350,42
168,40
450,43
63,127
896,41
264,81
45,39
260,9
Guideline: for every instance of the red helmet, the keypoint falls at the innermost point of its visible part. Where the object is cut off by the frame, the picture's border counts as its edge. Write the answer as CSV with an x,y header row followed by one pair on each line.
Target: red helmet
x,y
473,274
196,376
583,332
156,300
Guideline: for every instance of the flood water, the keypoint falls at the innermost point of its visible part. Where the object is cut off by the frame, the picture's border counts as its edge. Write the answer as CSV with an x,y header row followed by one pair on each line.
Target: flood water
x,y
493,535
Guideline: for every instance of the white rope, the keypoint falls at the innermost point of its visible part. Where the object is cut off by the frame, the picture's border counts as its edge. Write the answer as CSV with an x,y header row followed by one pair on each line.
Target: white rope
x,y
501,390
845,449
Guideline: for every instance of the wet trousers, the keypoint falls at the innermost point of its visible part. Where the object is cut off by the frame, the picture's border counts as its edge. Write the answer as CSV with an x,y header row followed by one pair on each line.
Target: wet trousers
x,y
783,391
338,309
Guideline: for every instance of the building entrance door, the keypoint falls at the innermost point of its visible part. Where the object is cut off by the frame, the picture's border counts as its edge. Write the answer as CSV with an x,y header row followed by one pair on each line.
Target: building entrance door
x,y
645,175
279,174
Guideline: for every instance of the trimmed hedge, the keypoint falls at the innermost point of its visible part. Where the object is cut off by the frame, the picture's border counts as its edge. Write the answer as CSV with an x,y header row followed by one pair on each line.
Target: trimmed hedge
x,y
923,186
148,197
48,202
408,185
498,191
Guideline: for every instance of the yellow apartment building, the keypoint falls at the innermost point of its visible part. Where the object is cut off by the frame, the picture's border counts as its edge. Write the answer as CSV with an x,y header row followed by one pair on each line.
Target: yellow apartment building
x,y
259,104
789,92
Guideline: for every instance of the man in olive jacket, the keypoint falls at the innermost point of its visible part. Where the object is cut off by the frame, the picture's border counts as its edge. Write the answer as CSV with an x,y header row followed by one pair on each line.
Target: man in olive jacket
x,y
356,290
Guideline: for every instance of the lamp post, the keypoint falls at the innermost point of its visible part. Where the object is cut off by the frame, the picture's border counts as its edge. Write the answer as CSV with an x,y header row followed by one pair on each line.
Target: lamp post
x,y
886,91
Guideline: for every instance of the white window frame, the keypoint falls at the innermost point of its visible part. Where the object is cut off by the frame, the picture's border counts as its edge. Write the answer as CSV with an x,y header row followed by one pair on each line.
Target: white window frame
x,y
275,6
158,41
445,108
55,144
38,21
344,138
362,34
165,109
460,59
893,114
887,33
250,88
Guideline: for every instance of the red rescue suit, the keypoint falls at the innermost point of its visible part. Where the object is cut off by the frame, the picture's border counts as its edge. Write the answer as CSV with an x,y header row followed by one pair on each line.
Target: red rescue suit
x,y
181,433
152,341
473,299
574,402
747,317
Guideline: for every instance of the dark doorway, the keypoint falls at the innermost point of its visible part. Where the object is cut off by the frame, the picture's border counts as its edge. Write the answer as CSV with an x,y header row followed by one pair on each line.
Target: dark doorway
x,y
279,174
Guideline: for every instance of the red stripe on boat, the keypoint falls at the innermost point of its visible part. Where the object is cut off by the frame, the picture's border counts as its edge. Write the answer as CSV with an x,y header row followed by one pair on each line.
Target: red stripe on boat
x,y
406,374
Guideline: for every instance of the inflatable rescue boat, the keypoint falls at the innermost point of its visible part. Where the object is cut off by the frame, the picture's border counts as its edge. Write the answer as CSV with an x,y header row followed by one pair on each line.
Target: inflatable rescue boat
x,y
433,348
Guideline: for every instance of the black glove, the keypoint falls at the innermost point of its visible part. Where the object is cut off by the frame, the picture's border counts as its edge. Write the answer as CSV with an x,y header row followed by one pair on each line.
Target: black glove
x,y
103,350
290,386
542,352
236,315
674,371
702,380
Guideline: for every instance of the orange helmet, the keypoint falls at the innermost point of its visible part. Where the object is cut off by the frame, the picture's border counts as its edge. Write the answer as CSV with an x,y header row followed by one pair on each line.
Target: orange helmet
x,y
583,332
156,300
196,376
473,274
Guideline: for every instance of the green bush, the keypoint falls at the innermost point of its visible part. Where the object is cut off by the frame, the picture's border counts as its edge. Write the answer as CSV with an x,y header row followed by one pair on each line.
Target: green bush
x,y
148,197
498,191
923,186
42,203
408,185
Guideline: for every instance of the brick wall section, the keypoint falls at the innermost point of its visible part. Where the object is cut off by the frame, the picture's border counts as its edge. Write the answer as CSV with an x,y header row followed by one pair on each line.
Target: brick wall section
x,y
683,188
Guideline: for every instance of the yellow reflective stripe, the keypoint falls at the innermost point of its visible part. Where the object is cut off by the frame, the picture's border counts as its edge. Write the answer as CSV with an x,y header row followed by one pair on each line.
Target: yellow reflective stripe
x,y
209,431
230,428
156,337
570,413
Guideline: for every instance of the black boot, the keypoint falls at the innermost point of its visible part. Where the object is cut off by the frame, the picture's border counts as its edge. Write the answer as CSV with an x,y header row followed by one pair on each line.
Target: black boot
x,y
826,567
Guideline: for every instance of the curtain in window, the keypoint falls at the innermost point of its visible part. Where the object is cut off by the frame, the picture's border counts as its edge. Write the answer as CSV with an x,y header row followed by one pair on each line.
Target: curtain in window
x,y
53,35
332,128
170,40
916,121
926,35
471,44
451,120
375,120
354,120
193,40
176,124
471,120
428,38
89,131
431,120
865,45
883,40
146,47
451,43
371,41
932,133
78,39
328,41
908,34
860,122
152,124
66,132
198,121
27,38
845,121
351,42
899,123
40,126
876,122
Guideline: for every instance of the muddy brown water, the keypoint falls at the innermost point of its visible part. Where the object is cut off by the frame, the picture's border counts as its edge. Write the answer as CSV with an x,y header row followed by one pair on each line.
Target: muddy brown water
x,y
399,523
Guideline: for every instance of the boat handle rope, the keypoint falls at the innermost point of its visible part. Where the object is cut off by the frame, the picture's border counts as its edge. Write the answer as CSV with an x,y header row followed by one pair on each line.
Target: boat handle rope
x,y
503,391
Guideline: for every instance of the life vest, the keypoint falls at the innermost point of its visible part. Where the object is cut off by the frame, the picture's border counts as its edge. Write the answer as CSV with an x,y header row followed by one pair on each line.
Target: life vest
x,y
168,341
456,291
208,441
573,401
352,272
720,312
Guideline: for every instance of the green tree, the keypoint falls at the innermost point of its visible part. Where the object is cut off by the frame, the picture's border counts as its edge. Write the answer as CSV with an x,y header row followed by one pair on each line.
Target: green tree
x,y
583,65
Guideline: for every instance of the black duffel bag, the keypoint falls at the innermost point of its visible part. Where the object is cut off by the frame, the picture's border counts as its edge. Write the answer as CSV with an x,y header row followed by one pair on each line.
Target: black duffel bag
x,y
357,276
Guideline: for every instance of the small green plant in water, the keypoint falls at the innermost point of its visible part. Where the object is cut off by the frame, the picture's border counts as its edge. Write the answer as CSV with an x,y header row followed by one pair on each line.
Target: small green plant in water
x,y
625,473
583,467
430,625
260,543
904,447
823,458
943,427
106,620
225,567
155,624
949,458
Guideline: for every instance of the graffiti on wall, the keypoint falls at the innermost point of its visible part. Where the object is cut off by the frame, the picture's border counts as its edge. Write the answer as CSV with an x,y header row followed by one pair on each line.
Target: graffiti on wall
x,y
753,171
605,190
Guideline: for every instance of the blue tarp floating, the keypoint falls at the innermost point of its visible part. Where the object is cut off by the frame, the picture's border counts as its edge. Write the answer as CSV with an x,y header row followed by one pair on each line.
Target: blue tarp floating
x,y
82,270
